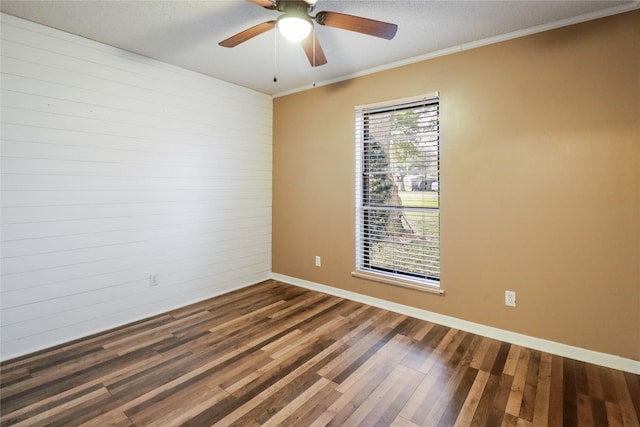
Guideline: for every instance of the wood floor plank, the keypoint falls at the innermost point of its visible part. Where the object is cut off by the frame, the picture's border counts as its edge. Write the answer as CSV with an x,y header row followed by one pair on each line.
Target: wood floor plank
x,y
629,415
437,355
167,388
405,387
530,386
414,408
386,400
294,304
171,409
582,381
523,423
368,344
226,413
45,359
481,415
150,378
490,356
614,415
275,354
382,350
51,375
239,369
311,410
472,398
633,386
435,407
117,419
50,415
349,400
599,412
451,396
402,422
455,404
585,412
569,395
14,375
480,353
284,349
299,399
497,412
512,360
514,402
608,388
53,384
280,399
240,321
425,347
44,405
275,372
420,329
555,392
501,358
313,364
542,390
509,421
364,380
593,380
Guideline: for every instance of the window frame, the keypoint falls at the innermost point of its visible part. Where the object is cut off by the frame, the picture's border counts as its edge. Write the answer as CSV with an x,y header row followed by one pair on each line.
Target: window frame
x,y
395,276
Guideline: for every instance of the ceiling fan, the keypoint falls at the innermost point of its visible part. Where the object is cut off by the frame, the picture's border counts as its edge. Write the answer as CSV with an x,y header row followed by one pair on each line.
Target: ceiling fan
x,y
296,24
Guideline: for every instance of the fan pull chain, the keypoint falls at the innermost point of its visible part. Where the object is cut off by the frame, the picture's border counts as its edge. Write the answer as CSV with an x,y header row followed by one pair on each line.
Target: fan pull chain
x,y
314,53
275,56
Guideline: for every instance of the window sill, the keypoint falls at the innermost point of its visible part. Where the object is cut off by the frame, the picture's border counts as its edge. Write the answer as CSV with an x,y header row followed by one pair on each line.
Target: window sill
x,y
404,283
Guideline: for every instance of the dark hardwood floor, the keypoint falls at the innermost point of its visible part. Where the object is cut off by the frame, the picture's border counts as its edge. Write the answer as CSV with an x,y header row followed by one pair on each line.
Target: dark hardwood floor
x,y
275,354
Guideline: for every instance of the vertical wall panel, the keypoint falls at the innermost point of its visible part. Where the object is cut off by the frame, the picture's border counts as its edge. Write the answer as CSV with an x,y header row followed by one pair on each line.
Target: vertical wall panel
x,y
114,168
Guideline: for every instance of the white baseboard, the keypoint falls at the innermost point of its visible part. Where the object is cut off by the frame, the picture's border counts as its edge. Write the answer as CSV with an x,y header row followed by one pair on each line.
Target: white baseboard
x,y
564,350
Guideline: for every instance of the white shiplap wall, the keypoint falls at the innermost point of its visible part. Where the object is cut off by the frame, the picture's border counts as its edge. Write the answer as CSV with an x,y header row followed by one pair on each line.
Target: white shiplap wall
x,y
116,167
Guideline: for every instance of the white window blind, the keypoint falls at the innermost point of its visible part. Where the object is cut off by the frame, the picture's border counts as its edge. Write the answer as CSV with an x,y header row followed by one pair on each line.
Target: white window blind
x,y
398,190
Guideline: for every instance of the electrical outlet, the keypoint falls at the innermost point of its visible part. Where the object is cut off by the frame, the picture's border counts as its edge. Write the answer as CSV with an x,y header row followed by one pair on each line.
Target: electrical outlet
x,y
318,261
510,298
153,280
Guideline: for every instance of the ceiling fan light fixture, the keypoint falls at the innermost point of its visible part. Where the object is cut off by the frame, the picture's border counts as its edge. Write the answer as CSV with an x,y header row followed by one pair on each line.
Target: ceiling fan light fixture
x,y
294,28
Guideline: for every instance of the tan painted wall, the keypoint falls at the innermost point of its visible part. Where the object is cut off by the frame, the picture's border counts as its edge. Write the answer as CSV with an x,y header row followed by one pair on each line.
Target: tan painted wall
x,y
540,183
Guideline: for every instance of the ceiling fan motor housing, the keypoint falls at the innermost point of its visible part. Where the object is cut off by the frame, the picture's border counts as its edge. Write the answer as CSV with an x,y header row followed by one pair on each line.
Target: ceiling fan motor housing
x,y
299,9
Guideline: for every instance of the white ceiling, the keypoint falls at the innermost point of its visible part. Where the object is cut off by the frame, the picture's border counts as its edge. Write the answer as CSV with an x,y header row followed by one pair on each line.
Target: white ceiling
x,y
186,33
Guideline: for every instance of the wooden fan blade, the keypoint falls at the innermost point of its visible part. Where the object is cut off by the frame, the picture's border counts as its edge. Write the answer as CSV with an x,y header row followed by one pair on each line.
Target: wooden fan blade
x,y
358,24
247,34
316,58
264,3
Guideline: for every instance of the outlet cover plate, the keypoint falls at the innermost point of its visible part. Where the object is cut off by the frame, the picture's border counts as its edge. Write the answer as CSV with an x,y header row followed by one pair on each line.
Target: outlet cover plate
x,y
153,280
510,298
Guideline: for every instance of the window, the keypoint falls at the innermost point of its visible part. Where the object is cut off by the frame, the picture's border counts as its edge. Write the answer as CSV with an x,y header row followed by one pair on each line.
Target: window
x,y
398,192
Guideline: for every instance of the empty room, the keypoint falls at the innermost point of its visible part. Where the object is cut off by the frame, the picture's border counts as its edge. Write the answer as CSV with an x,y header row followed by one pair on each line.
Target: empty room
x,y
313,213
